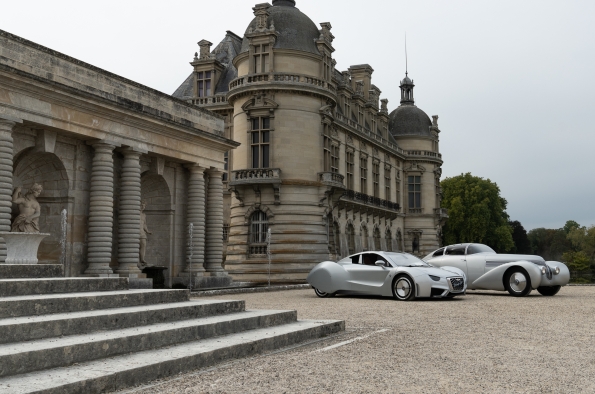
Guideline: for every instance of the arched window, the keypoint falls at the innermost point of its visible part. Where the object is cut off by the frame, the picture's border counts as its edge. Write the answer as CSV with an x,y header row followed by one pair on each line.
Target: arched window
x,y
259,226
364,233
377,239
350,232
389,241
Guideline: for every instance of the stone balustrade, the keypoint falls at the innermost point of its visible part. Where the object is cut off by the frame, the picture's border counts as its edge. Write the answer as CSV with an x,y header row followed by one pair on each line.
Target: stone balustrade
x,y
425,153
365,199
331,179
282,78
255,175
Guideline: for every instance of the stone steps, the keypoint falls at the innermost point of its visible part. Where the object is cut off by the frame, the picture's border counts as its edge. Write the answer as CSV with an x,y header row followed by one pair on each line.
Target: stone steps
x,y
91,335
29,328
116,373
33,305
24,357
28,286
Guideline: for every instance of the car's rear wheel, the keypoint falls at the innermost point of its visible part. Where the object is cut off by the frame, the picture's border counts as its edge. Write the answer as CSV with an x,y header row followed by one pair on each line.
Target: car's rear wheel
x,y
517,282
548,290
403,288
322,294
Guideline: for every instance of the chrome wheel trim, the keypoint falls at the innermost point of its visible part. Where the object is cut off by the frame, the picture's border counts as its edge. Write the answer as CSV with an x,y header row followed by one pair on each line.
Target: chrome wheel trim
x,y
518,282
403,288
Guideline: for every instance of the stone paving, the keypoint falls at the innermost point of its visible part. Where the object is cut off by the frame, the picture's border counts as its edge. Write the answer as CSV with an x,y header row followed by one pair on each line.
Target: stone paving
x,y
486,342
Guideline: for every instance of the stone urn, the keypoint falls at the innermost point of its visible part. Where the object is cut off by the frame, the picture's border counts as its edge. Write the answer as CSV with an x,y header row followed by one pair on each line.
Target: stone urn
x,y
21,248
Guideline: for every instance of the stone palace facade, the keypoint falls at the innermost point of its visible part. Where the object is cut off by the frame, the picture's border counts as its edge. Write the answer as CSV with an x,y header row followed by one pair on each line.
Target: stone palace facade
x,y
99,144
323,165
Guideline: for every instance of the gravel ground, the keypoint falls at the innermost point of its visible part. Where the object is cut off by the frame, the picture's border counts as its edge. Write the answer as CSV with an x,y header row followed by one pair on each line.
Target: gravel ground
x,y
485,342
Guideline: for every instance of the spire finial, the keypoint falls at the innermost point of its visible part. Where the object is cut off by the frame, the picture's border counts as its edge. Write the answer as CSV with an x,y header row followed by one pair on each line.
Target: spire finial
x,y
406,59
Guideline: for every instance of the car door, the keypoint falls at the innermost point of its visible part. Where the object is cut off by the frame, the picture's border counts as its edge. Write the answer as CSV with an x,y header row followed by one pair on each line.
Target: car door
x,y
366,276
454,256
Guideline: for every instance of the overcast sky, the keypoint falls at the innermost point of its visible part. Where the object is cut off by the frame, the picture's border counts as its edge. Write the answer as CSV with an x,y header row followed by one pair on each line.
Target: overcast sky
x,y
512,81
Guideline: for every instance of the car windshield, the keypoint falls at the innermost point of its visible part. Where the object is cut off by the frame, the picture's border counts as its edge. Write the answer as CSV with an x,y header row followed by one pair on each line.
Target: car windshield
x,y
406,260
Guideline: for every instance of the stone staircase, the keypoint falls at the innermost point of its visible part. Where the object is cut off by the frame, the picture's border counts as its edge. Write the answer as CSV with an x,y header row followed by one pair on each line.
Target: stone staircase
x,y
93,335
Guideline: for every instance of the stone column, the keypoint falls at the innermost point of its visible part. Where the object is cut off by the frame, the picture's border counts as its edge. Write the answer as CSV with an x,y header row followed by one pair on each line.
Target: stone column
x,y
214,225
129,215
101,211
196,216
6,167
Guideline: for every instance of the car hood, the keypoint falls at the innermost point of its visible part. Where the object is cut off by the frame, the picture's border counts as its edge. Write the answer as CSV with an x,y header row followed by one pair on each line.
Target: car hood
x,y
443,273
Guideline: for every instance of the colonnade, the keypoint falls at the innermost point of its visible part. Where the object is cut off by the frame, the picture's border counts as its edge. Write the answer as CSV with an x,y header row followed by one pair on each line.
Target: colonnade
x,y
204,211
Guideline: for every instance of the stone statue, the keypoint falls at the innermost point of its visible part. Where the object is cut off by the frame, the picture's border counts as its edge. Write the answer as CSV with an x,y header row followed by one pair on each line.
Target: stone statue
x,y
29,210
144,231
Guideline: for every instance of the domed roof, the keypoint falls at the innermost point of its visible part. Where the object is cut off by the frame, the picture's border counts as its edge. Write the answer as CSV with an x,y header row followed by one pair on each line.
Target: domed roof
x,y
295,29
407,119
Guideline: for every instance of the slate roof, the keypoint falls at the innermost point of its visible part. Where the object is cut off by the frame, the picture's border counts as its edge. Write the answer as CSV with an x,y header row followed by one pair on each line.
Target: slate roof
x,y
227,49
407,119
296,30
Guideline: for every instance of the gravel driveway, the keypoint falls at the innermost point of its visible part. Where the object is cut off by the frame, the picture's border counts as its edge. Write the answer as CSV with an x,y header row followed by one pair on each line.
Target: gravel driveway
x,y
484,342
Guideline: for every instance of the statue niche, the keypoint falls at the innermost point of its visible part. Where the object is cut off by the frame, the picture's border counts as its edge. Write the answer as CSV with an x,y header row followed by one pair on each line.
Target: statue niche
x,y
22,242
29,210
144,231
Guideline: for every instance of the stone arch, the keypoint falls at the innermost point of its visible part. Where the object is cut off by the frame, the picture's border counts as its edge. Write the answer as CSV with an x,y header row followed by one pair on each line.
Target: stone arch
x,y
48,170
259,207
159,213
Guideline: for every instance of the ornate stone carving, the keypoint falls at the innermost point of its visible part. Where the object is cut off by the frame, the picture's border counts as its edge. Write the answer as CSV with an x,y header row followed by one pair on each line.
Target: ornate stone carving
x,y
384,106
29,210
359,88
261,12
415,167
325,32
205,49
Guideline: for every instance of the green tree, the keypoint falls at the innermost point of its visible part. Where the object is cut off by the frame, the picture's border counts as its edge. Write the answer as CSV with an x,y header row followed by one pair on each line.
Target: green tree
x,y
583,239
477,212
577,261
550,244
519,236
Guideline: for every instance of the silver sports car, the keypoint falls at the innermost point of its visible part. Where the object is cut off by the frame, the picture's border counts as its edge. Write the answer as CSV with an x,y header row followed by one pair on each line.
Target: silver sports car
x,y
516,273
399,275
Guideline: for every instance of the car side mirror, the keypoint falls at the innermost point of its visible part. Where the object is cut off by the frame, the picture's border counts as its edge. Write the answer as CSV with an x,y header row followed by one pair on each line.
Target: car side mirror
x,y
380,263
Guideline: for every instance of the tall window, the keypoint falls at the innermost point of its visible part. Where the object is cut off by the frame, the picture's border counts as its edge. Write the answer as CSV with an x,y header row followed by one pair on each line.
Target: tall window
x,y
335,159
387,195
346,107
360,118
259,226
363,173
327,67
261,137
374,127
327,152
389,241
204,83
350,233
333,239
261,58
376,178
364,235
377,239
349,169
414,192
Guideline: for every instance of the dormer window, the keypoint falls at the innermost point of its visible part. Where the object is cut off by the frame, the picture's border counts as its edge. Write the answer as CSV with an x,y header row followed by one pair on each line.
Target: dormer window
x,y
261,58
204,83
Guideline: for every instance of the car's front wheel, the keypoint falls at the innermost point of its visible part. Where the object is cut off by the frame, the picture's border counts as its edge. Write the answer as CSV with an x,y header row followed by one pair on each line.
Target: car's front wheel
x,y
322,294
403,288
517,282
548,290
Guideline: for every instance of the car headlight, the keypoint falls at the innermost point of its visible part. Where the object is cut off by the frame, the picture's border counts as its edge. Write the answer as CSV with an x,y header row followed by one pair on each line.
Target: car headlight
x,y
543,270
435,278
556,270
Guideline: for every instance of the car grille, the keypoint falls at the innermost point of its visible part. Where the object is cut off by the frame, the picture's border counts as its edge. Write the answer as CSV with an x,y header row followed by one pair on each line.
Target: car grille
x,y
457,283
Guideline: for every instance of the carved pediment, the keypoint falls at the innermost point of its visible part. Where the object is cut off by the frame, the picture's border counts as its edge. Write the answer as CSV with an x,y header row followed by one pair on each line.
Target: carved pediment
x,y
260,102
415,167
